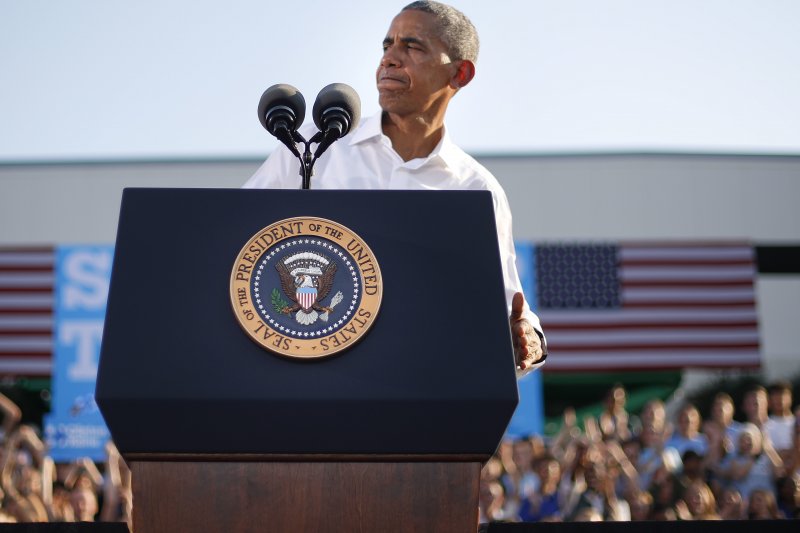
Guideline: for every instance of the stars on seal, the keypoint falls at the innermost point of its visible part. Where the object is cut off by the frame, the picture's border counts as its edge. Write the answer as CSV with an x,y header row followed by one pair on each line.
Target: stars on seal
x,y
260,278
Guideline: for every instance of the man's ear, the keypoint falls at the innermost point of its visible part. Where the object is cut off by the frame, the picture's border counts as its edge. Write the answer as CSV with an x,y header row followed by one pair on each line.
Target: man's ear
x,y
464,73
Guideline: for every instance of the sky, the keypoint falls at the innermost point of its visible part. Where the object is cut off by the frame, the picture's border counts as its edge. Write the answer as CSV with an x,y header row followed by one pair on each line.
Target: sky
x,y
156,79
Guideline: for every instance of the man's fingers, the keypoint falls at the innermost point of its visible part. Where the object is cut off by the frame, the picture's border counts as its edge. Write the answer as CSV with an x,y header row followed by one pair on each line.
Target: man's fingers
x,y
522,328
523,333
528,350
517,303
527,346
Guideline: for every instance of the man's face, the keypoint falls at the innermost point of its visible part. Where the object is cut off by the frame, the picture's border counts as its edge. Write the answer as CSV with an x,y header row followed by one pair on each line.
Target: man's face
x,y
780,401
722,410
523,455
754,404
689,422
414,74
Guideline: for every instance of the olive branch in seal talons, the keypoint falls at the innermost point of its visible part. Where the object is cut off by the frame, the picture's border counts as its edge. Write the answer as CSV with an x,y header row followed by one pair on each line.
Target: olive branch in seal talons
x,y
278,304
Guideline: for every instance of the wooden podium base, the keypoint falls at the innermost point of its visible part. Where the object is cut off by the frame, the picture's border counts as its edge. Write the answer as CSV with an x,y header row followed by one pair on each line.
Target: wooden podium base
x,y
317,496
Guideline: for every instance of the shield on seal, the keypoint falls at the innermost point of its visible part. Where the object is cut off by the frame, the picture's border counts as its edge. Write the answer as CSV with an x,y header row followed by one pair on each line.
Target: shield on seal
x,y
306,296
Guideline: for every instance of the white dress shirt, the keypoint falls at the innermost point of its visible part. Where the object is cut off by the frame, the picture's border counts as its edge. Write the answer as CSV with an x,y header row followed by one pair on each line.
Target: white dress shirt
x,y
365,159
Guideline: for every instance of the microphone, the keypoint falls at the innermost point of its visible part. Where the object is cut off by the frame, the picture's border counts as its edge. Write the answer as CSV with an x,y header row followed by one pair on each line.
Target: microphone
x,y
281,111
336,109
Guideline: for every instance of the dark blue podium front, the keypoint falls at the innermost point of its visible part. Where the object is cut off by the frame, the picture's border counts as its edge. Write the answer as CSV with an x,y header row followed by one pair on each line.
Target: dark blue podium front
x,y
434,375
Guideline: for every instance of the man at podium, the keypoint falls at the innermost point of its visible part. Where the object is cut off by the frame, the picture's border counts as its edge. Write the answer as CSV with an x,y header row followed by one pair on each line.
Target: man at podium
x,y
429,54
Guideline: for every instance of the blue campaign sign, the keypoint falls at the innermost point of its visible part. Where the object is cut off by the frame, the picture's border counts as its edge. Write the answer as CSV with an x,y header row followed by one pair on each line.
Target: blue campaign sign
x,y
528,418
75,427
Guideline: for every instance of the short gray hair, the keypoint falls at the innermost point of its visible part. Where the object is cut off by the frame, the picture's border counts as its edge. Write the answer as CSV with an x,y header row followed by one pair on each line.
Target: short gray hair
x,y
455,30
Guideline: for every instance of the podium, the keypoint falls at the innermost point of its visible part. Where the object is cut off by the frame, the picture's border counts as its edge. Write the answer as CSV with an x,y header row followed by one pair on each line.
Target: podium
x,y
388,435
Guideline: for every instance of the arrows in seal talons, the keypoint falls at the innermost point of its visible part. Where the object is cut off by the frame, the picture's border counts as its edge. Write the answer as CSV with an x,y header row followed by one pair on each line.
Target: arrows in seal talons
x,y
338,297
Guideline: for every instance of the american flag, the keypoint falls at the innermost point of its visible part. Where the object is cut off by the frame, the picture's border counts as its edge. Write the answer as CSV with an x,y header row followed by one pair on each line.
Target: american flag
x,y
26,310
648,306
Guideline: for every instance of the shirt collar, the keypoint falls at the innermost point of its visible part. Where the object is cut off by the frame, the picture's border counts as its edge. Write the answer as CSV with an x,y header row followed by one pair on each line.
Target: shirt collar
x,y
370,129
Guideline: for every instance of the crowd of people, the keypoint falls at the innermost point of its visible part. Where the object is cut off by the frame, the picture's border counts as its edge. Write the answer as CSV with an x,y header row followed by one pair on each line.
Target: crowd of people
x,y
614,467
34,488
651,466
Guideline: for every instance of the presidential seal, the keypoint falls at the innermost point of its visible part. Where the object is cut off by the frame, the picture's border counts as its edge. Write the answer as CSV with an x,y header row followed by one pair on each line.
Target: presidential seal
x,y
306,287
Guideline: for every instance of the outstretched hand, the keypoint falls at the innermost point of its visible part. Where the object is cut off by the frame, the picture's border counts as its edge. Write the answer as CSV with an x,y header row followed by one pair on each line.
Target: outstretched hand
x,y
527,345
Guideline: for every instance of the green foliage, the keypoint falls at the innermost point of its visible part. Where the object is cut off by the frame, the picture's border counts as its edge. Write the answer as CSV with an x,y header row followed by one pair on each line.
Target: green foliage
x,y
278,303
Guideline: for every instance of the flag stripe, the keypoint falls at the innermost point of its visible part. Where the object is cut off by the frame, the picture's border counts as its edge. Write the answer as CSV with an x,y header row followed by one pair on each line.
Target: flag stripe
x,y
25,365
26,322
632,325
698,294
22,331
650,315
26,258
646,356
676,306
682,304
658,346
26,310
692,273
625,335
688,283
16,312
698,253
30,279
30,343
646,360
678,262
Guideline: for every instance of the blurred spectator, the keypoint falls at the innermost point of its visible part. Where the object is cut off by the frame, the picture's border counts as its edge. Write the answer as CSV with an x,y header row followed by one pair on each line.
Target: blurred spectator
x,y
665,486
491,501
654,414
598,496
11,416
622,465
663,514
84,504
543,505
794,464
722,411
614,417
653,454
754,406
762,506
521,482
698,503
780,425
687,434
754,465
641,505
731,505
588,514
21,476
117,491
62,510
718,448
693,468
788,488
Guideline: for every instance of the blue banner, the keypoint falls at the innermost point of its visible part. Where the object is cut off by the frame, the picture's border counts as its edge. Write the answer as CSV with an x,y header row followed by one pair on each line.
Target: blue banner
x,y
75,427
528,419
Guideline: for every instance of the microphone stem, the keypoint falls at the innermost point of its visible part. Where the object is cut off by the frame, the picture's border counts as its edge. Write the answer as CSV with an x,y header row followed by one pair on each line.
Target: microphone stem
x,y
307,166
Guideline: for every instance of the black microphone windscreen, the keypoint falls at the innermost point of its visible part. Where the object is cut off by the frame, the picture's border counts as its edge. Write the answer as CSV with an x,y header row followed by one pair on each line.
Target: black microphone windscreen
x,y
337,95
282,94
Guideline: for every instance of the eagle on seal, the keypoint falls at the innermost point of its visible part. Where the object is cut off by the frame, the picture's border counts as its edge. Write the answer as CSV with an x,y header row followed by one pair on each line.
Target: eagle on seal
x,y
306,291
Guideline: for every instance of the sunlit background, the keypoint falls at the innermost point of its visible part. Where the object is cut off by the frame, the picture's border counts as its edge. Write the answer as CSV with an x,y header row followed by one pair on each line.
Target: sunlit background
x,y
92,79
